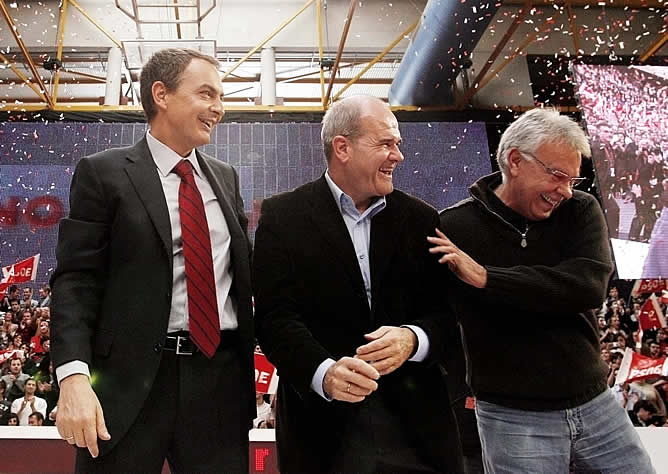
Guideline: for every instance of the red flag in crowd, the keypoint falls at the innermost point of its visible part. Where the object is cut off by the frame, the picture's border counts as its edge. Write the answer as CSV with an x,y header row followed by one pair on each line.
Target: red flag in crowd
x,y
6,355
20,272
651,316
636,367
648,286
266,379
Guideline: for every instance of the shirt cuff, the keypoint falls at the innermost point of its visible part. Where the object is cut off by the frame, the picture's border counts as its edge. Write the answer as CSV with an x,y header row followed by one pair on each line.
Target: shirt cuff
x,y
71,368
422,343
319,377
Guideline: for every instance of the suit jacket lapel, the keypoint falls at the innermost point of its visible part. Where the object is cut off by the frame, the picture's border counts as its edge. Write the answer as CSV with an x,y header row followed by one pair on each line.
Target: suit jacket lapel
x,y
144,176
327,218
384,240
223,196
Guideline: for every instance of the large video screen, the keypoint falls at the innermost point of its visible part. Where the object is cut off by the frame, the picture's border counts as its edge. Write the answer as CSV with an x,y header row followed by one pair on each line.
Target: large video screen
x,y
626,112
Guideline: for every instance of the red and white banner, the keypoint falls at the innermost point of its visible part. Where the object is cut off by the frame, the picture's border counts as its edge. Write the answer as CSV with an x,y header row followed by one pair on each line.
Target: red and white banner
x,y
648,286
266,379
20,272
636,367
6,355
651,316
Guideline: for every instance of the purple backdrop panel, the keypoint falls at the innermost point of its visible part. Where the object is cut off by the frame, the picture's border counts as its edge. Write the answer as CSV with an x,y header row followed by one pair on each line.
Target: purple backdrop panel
x,y
37,161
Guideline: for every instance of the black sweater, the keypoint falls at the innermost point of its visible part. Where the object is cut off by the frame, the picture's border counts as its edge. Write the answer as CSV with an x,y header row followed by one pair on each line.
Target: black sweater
x,y
530,335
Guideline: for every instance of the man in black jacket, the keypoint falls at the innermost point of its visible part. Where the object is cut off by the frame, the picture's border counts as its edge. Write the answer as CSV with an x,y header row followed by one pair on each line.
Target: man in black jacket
x,y
347,309
532,258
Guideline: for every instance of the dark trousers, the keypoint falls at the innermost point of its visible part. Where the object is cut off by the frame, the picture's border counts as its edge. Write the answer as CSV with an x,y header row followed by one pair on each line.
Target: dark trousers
x,y
377,442
194,417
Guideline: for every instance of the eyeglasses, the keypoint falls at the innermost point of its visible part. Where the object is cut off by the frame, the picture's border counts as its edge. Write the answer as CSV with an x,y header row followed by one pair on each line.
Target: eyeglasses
x,y
557,175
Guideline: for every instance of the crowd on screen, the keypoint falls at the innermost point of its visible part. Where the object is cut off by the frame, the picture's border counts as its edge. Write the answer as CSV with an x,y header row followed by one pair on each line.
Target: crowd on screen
x,y
623,107
28,386
645,400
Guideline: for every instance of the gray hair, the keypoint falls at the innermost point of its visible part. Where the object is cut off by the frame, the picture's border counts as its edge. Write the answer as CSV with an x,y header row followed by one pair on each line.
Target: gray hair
x,y
537,127
344,118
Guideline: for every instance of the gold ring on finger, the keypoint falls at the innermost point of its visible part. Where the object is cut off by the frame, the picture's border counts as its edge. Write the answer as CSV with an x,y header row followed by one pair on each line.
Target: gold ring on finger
x,y
348,387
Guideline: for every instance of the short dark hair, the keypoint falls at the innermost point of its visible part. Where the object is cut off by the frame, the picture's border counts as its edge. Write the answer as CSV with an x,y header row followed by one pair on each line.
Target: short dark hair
x,y
166,66
37,415
11,416
649,407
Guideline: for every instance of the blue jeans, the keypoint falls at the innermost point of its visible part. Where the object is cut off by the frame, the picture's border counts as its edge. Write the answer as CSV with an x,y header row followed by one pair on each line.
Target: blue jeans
x,y
596,437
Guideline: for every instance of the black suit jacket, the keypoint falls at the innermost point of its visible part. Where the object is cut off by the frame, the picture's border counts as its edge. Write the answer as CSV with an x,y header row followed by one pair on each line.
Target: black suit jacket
x,y
112,288
311,304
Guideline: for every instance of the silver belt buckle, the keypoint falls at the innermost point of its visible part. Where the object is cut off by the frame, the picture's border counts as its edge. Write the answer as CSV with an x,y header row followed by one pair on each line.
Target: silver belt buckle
x,y
178,346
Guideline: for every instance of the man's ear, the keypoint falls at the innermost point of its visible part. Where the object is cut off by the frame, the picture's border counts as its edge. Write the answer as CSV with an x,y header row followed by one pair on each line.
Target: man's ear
x,y
341,149
159,92
514,160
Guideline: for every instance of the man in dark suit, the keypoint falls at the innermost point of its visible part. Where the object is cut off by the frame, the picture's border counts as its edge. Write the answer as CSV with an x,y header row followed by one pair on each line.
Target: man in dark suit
x,y
151,314
347,309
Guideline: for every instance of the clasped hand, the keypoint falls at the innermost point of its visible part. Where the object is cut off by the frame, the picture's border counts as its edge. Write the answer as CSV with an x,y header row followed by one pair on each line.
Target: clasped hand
x,y
352,379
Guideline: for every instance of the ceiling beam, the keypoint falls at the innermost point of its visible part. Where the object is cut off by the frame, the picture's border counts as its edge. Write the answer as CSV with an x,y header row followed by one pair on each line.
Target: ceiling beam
x,y
654,47
519,18
19,42
339,53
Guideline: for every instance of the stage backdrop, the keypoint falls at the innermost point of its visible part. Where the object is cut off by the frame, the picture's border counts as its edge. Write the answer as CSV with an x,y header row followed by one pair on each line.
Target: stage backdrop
x,y
37,161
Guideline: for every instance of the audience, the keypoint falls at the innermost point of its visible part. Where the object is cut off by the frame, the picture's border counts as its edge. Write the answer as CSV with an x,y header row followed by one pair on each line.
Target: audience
x,y
12,420
645,400
623,107
28,302
36,419
28,395
29,403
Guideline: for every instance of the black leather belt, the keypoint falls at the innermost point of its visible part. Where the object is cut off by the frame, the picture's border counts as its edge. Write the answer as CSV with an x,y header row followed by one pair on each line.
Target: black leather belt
x,y
181,343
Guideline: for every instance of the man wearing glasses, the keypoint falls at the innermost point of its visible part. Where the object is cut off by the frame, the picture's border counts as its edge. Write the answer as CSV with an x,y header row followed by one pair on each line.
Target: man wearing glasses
x,y
532,259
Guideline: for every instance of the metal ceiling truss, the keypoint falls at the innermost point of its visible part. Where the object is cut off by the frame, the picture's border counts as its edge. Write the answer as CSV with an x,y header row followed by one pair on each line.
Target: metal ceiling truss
x,y
49,99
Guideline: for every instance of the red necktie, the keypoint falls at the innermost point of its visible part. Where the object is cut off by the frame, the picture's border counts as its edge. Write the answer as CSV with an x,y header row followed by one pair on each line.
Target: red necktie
x,y
200,281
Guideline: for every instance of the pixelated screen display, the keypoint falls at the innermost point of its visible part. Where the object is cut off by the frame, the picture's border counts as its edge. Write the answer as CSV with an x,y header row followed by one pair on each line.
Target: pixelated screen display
x,y
37,161
626,112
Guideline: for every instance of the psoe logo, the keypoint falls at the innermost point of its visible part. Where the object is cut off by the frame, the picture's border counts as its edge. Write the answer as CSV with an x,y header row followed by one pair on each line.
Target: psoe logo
x,y
40,211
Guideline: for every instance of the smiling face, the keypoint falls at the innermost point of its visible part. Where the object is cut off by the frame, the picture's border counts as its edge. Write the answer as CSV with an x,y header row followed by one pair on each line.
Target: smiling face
x,y
531,190
187,115
371,158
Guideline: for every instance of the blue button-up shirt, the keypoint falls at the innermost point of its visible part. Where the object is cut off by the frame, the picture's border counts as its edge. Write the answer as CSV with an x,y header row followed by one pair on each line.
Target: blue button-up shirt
x,y
359,228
